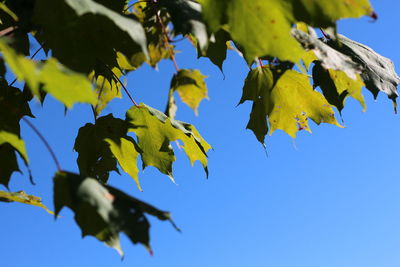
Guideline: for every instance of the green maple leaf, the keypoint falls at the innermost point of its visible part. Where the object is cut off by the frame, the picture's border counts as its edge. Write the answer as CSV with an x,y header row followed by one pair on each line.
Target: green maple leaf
x,y
286,99
155,131
103,211
101,145
263,27
107,87
82,34
190,86
23,197
63,84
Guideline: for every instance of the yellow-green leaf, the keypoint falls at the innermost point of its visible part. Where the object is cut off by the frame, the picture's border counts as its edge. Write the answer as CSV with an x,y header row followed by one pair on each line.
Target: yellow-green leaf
x,y
65,85
18,144
287,99
337,86
23,197
263,27
155,131
125,152
190,86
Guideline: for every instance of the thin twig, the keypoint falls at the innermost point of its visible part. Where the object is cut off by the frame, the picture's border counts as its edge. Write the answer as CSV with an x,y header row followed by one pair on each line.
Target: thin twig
x,y
33,55
324,33
47,145
7,30
116,79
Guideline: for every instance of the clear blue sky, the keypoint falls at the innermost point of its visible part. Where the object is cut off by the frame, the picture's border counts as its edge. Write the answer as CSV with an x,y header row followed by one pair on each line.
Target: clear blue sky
x,y
326,199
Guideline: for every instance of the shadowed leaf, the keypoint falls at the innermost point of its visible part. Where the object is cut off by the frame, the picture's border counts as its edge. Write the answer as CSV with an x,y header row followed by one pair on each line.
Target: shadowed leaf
x,y
104,211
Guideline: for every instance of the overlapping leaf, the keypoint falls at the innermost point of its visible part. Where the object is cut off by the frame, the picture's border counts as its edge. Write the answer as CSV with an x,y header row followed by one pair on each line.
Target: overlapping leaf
x,y
103,211
190,86
337,86
23,197
83,33
329,57
287,99
155,131
101,145
378,72
217,47
13,106
263,27
66,86
106,88
187,19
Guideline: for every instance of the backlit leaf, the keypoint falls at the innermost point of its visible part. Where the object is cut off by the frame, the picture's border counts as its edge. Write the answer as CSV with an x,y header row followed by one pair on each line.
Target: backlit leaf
x,y
23,197
337,86
287,99
155,131
66,86
101,145
190,86
13,140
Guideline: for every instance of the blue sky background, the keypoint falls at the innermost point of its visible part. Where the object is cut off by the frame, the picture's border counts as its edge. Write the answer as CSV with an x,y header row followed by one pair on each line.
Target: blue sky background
x,y
326,199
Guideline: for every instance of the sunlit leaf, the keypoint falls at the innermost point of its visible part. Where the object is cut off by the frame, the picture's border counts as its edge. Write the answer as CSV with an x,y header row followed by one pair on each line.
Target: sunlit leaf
x,y
66,86
155,131
337,86
190,86
101,145
23,197
287,99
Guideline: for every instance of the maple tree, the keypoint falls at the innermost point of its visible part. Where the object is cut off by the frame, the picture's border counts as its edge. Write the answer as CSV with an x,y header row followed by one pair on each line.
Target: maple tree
x,y
276,38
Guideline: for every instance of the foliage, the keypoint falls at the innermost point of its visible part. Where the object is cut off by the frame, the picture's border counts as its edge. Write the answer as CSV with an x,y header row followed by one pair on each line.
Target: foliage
x,y
91,44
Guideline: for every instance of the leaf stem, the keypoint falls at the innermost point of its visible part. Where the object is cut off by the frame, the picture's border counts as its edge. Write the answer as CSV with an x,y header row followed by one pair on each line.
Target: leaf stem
x,y
47,145
123,86
166,39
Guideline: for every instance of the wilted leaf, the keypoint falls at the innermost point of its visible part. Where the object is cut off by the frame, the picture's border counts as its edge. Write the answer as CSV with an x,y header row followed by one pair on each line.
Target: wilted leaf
x,y
378,72
66,86
190,86
23,197
155,131
287,99
337,86
103,211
